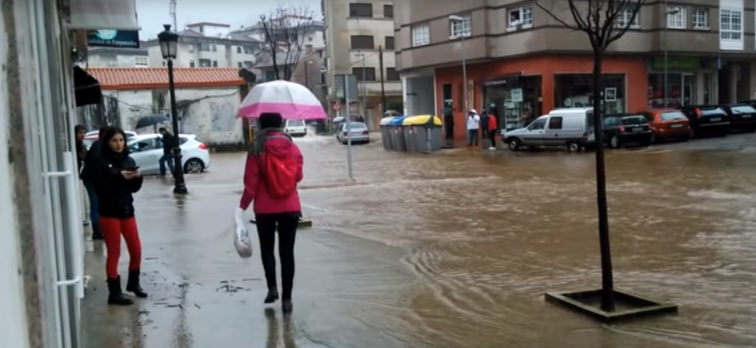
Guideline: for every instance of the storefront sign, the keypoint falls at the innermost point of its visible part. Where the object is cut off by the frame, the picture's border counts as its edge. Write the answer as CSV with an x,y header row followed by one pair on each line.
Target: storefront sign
x,y
516,95
496,83
678,63
610,94
114,38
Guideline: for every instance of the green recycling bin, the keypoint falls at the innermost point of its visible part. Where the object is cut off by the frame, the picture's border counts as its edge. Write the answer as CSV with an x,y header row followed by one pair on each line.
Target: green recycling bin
x,y
423,133
398,142
386,132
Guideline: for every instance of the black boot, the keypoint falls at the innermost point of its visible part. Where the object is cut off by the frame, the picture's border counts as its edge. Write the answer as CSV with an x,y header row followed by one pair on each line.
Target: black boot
x,y
117,297
133,284
272,295
287,307
97,232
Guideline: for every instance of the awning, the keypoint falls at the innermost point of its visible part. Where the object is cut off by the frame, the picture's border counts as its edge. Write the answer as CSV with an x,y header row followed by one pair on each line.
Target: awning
x,y
87,89
103,14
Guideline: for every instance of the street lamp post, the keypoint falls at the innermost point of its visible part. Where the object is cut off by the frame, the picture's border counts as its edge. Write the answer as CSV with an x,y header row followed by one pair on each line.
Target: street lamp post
x,y
168,47
666,50
459,19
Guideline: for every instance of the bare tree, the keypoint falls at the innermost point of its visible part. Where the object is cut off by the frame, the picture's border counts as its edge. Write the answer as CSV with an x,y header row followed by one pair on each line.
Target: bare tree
x,y
284,31
604,22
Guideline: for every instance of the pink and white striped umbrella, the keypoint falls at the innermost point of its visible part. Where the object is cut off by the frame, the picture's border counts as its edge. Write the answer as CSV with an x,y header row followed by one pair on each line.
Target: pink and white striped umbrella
x,y
292,100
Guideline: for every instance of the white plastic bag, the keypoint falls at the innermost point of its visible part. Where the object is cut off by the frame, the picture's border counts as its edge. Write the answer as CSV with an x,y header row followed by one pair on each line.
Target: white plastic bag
x,y
242,243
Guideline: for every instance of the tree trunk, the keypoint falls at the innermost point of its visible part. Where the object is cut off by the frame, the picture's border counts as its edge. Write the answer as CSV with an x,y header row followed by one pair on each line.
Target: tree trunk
x,y
607,279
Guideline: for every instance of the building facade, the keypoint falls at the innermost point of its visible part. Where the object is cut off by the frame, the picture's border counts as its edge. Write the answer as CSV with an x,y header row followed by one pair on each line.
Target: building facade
x,y
115,57
359,34
520,61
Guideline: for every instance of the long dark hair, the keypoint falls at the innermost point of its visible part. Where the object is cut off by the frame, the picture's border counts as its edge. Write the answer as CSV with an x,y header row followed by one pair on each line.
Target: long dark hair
x,y
107,134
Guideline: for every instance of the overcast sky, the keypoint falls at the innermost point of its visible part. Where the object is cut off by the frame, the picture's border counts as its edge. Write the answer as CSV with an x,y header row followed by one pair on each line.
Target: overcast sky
x,y
154,13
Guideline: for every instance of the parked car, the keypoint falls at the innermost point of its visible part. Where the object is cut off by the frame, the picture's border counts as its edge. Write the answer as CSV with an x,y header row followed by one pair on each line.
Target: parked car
x,y
571,127
629,128
742,117
96,134
146,150
358,131
295,128
707,120
668,124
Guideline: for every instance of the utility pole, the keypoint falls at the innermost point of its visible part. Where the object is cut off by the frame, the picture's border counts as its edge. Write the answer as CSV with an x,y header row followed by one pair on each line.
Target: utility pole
x,y
384,108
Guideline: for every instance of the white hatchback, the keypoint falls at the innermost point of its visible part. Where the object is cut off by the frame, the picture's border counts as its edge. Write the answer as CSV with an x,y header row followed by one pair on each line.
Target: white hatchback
x,y
146,150
295,128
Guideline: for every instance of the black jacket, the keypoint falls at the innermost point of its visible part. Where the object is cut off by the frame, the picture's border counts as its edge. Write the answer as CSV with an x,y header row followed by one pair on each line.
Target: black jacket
x,y
88,173
114,192
81,154
168,143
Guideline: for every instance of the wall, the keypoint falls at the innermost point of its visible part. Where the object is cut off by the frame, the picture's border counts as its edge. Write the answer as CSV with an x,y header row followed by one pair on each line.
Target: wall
x,y
13,327
634,68
111,60
208,113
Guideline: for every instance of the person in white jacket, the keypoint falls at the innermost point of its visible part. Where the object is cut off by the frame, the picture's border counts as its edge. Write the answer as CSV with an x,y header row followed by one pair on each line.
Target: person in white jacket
x,y
473,124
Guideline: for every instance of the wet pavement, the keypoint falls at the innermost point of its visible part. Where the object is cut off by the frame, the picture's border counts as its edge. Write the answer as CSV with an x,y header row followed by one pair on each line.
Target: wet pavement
x,y
451,250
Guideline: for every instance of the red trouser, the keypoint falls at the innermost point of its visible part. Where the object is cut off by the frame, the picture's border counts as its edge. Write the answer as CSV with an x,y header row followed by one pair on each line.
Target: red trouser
x,y
112,229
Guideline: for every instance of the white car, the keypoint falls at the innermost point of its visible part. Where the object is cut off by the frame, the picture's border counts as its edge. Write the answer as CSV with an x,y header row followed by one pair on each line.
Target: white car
x,y
95,134
295,128
358,132
146,150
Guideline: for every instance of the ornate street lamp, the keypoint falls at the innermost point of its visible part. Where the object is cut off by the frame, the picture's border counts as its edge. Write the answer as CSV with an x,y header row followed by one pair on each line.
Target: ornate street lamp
x,y
169,47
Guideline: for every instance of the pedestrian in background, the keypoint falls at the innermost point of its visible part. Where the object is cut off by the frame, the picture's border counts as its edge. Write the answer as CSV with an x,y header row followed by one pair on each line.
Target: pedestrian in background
x,y
273,170
81,150
493,128
169,141
484,128
473,123
88,174
118,178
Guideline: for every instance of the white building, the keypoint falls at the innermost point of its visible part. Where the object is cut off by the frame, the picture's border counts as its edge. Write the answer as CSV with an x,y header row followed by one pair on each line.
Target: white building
x,y
112,57
354,32
208,45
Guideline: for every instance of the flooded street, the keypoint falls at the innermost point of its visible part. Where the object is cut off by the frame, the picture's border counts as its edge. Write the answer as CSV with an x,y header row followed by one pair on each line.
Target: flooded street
x,y
451,250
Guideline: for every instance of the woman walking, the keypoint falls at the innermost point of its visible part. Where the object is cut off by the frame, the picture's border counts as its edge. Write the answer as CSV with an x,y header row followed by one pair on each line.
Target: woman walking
x,y
274,167
117,179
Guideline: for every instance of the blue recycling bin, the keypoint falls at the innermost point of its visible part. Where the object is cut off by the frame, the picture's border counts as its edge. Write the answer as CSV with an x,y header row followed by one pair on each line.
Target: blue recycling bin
x,y
386,132
398,143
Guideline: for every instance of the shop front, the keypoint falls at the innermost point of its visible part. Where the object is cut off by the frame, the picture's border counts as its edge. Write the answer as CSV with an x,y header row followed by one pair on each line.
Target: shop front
x,y
521,89
678,81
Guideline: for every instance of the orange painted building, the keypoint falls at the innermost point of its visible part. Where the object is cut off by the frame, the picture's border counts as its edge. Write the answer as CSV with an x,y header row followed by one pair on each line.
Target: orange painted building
x,y
541,84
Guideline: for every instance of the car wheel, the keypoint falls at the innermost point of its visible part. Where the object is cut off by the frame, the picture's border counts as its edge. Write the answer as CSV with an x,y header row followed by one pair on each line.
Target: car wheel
x,y
573,147
514,144
194,166
614,142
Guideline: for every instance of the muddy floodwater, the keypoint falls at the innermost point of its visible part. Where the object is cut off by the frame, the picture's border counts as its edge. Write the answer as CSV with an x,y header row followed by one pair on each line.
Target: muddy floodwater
x,y
450,250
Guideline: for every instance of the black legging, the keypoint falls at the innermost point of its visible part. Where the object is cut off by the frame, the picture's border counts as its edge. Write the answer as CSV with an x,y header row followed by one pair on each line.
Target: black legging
x,y
286,224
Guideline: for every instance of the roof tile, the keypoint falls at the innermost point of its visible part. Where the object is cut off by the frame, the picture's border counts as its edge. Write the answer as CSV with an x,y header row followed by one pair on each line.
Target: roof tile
x,y
149,78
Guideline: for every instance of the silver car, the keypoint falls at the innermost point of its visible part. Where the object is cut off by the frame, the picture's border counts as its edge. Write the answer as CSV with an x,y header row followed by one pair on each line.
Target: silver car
x,y
358,131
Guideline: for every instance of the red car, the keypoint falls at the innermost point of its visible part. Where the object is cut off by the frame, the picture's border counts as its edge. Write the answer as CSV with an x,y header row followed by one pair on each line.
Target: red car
x,y
668,124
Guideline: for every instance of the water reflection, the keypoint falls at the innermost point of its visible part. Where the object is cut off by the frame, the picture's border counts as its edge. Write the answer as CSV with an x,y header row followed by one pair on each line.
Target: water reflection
x,y
276,339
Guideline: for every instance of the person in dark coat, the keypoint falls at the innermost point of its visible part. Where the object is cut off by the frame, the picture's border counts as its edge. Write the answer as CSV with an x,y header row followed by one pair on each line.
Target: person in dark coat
x,y
88,175
449,123
81,150
118,178
169,141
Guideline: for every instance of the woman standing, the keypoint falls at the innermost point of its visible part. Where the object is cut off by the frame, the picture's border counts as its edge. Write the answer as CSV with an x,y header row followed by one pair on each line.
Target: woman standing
x,y
88,176
273,170
117,179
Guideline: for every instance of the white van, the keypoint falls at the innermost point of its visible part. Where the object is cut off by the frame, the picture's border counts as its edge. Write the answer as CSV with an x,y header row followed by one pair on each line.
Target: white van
x,y
572,127
295,128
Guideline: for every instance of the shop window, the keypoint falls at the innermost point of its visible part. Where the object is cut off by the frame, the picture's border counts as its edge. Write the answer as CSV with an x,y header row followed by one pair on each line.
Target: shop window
x,y
576,90
680,90
701,18
555,123
521,17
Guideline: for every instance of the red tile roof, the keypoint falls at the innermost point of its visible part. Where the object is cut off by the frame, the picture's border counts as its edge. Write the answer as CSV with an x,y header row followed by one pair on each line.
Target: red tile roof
x,y
150,78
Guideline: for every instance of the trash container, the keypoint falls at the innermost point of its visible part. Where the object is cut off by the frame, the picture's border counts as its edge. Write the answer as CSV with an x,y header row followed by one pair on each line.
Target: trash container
x,y
423,133
397,134
386,132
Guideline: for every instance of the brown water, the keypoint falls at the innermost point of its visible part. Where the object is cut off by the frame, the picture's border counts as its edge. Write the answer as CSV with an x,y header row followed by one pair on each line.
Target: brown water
x,y
457,249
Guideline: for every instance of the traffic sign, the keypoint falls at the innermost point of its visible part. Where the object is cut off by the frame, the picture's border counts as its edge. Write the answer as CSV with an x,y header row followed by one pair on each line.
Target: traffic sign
x,y
336,106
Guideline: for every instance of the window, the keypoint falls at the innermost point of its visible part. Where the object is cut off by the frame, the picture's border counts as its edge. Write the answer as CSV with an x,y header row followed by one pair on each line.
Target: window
x,y
238,49
164,63
205,63
672,116
360,10
388,11
239,64
215,48
555,123
191,63
392,75
364,42
368,74
191,48
701,18
141,61
247,50
731,25
247,64
626,19
676,17
538,124
389,44
420,35
215,64
204,47
521,17
461,28
144,145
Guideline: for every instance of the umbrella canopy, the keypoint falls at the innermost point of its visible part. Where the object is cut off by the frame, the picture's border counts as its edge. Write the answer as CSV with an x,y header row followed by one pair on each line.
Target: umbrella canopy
x,y
152,120
292,100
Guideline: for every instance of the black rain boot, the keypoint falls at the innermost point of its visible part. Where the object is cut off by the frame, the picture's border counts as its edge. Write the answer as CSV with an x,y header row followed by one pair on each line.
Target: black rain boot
x,y
133,284
287,306
97,232
117,297
272,295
